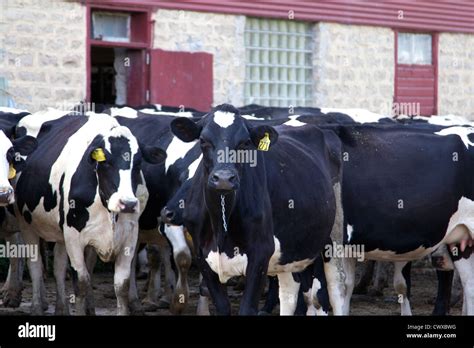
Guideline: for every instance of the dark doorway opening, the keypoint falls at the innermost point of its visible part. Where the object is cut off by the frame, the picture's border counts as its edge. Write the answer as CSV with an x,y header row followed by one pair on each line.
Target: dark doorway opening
x,y
103,89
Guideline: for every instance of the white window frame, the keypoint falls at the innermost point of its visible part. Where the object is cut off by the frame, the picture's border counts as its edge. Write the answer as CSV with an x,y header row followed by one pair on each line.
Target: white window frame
x,y
264,68
111,38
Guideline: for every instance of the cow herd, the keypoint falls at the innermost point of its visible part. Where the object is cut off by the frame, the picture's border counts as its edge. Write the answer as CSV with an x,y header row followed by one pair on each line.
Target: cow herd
x,y
293,195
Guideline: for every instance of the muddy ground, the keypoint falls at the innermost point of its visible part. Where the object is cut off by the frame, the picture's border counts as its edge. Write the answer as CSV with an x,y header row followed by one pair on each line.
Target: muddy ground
x,y
424,286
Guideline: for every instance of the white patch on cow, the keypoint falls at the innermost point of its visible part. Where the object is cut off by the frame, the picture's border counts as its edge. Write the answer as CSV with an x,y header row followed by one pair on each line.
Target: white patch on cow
x,y
226,267
358,115
274,266
445,120
461,223
11,110
193,167
124,191
123,112
388,255
33,122
293,122
224,119
5,145
288,293
167,113
350,229
316,286
461,132
252,117
176,149
465,267
177,239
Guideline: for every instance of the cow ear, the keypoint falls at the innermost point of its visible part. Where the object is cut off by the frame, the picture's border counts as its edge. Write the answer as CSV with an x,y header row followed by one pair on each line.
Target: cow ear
x,y
25,145
152,154
263,137
185,129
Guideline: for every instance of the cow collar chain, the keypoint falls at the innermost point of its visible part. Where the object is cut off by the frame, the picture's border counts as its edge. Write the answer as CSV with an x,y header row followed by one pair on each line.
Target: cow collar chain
x,y
224,223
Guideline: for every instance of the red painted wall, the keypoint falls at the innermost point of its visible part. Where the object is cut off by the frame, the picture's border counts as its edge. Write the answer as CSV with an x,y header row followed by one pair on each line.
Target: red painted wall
x,y
420,15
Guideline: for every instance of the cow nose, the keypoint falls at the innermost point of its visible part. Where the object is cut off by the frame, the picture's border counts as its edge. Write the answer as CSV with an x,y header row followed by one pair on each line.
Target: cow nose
x,y
223,180
167,215
6,196
128,205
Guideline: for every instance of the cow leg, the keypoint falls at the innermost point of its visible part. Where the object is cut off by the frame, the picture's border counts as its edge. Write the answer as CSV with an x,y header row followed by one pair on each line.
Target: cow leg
x,y
349,265
122,272
465,267
319,289
182,260
203,302
272,296
254,281
217,290
14,283
36,272
133,300
288,293
401,283
60,267
381,278
443,298
76,253
170,278
150,302
91,260
362,287
335,277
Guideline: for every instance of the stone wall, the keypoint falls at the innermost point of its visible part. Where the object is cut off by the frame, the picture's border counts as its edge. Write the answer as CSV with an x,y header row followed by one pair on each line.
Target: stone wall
x,y
456,74
353,67
43,51
221,35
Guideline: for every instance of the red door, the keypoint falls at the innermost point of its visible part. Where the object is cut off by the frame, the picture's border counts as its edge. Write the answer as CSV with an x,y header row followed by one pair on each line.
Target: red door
x,y
415,74
181,79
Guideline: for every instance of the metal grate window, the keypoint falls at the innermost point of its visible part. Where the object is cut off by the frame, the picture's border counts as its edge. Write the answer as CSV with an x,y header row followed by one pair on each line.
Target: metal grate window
x,y
279,69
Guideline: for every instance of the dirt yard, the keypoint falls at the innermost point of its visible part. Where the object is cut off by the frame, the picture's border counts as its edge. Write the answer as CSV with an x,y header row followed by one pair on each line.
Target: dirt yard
x,y
424,285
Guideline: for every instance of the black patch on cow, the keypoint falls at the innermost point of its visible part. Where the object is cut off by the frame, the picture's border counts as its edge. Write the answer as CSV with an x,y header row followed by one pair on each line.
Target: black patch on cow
x,y
34,184
61,202
83,187
27,216
119,158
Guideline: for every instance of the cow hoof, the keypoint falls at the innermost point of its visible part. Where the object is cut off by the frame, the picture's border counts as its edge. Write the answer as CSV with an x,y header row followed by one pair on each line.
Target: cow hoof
x,y
263,313
136,308
12,300
37,310
149,306
177,307
45,305
61,311
90,311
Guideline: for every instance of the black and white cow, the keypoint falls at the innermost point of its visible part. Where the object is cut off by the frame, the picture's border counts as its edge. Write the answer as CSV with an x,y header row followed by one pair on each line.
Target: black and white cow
x,y
163,181
242,218
12,147
83,187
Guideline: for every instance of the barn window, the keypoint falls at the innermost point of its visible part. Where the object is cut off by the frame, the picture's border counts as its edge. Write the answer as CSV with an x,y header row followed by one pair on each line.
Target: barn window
x,y
414,48
111,26
279,68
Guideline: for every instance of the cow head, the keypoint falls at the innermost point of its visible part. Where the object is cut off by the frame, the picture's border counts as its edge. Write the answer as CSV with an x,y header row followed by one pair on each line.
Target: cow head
x,y
118,157
224,134
10,152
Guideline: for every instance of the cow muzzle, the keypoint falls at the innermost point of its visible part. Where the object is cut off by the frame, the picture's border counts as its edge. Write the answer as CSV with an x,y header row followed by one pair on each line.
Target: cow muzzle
x,y
128,205
7,196
223,180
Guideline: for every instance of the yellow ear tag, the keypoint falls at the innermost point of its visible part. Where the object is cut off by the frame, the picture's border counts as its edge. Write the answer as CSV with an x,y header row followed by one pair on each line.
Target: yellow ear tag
x,y
11,172
98,155
264,143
